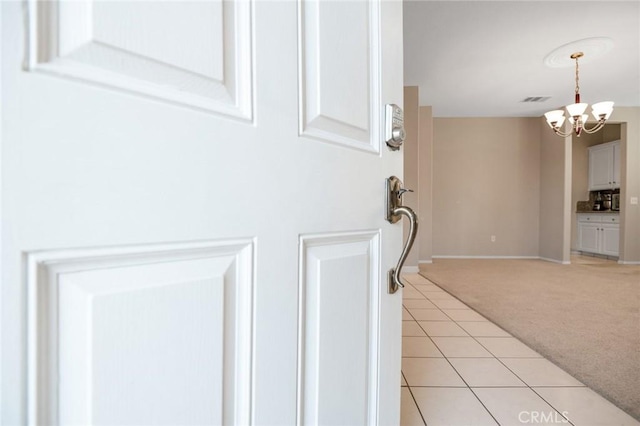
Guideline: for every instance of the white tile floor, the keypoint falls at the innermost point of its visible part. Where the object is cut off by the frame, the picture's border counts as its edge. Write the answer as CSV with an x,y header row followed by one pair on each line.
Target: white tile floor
x,y
459,369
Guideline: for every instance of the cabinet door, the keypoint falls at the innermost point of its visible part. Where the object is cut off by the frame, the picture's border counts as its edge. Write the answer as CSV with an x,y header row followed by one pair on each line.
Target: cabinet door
x,y
616,165
609,239
600,167
588,237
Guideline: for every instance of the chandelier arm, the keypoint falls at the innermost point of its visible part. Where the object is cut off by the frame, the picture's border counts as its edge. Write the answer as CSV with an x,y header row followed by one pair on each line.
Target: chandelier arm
x,y
599,125
560,133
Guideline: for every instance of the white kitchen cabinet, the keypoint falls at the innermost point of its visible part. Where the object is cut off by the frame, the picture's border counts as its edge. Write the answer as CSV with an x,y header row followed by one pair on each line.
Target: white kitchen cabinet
x,y
604,166
609,239
616,165
599,233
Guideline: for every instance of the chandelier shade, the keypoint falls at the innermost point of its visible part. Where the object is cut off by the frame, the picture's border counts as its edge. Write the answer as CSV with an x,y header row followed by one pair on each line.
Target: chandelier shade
x,y
576,115
602,108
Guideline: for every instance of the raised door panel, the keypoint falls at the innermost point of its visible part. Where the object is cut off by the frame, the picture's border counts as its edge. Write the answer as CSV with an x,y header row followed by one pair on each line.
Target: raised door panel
x,y
196,54
141,335
338,328
339,76
610,239
588,237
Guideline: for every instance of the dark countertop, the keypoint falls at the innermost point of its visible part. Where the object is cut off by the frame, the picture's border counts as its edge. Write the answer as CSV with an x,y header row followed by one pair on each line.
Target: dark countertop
x,y
597,211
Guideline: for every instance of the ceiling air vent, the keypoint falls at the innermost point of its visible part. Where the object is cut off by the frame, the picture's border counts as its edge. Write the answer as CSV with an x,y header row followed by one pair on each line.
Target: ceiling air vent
x,y
536,99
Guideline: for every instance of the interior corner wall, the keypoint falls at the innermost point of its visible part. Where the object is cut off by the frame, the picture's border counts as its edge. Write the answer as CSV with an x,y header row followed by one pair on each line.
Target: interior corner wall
x,y
555,195
411,171
425,154
629,118
486,182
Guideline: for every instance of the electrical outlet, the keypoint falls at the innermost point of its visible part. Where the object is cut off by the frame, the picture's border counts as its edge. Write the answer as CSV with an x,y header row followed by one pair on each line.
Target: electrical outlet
x,y
493,238
633,200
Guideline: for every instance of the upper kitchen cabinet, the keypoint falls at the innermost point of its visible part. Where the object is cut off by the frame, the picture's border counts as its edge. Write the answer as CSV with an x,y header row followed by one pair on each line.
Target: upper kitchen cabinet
x,y
604,166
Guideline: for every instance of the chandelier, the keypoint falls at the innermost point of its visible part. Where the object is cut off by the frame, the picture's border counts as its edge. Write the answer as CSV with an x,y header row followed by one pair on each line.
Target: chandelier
x,y
576,112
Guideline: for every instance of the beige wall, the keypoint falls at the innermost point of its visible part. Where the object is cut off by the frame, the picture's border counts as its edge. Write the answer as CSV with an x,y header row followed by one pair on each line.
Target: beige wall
x,y
555,195
515,179
426,184
486,181
411,176
629,117
417,174
624,125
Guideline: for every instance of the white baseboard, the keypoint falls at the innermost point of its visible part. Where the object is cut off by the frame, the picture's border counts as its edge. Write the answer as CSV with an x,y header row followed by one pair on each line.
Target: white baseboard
x,y
598,255
425,262
546,259
561,262
484,257
410,270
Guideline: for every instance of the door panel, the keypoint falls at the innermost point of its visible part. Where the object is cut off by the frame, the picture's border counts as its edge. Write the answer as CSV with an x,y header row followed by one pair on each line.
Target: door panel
x,y
339,283
156,203
339,76
138,335
142,47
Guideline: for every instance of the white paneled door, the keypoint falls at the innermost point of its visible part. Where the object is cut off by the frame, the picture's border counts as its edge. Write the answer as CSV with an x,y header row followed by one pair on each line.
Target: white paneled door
x,y
193,212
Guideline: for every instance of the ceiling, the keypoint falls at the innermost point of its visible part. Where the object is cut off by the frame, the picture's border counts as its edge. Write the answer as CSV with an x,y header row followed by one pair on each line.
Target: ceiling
x,y
482,58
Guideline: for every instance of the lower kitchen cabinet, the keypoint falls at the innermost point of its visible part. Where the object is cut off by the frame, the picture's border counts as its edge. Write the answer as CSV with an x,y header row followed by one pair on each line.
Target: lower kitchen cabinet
x,y
599,233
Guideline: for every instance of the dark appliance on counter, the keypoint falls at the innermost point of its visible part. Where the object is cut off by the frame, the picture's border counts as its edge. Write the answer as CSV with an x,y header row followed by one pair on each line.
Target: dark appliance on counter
x,y
615,202
597,204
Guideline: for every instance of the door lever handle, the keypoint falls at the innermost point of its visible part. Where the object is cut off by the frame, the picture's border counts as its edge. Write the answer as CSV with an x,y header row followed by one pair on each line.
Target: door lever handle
x,y
395,210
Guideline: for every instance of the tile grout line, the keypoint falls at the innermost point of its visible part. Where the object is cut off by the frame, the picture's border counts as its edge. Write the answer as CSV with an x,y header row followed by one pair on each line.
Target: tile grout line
x,y
414,399
513,372
500,361
551,405
452,366
487,349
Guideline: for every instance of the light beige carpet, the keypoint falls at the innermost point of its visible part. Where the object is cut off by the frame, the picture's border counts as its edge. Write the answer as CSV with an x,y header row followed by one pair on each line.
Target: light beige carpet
x,y
584,317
